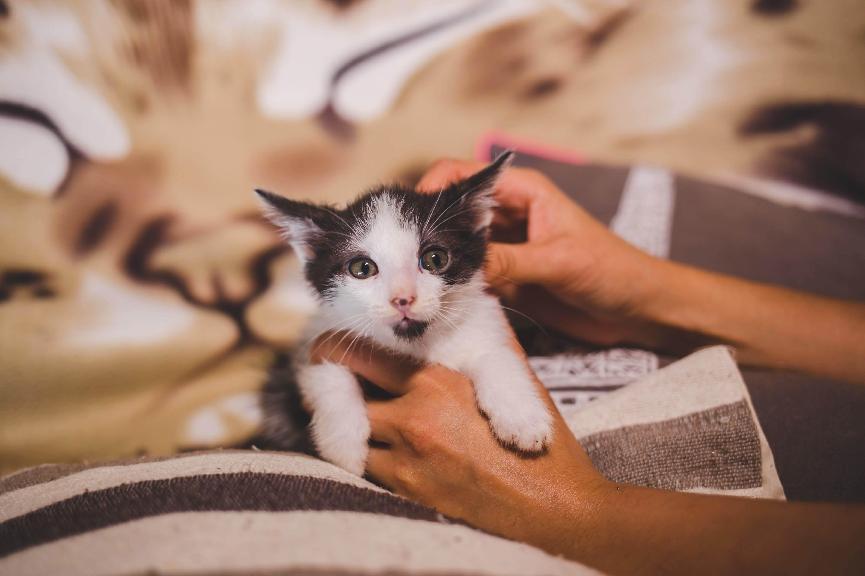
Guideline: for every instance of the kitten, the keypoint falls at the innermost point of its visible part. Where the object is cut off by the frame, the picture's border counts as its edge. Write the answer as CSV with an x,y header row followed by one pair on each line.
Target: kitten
x,y
403,269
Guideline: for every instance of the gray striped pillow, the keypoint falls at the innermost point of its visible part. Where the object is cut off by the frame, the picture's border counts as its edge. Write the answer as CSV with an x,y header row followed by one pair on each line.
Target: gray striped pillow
x,y
237,512
689,426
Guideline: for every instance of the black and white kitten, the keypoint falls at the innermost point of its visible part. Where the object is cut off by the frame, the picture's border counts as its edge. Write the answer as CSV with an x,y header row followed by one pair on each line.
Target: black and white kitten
x,y
403,269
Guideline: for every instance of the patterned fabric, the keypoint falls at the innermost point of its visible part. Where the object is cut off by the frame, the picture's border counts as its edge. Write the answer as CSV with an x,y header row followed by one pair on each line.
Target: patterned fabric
x,y
715,448
142,297
237,512
142,300
263,512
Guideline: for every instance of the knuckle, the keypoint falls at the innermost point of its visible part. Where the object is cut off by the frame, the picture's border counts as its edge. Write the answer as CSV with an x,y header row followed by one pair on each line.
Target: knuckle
x,y
536,178
428,380
439,171
420,435
444,164
506,262
405,478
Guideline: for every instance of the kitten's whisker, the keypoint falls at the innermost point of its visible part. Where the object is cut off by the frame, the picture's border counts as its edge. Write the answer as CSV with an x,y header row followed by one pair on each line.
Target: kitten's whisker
x,y
445,211
436,203
333,331
341,340
347,325
447,319
341,219
369,360
443,315
450,308
508,278
527,317
451,217
346,322
359,335
451,230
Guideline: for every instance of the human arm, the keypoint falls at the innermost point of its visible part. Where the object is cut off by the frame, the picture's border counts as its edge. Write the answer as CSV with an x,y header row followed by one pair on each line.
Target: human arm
x,y
432,444
608,292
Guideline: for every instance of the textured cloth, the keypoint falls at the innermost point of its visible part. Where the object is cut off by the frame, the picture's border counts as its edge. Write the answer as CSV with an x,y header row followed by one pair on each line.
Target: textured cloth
x,y
237,513
142,299
814,424
688,426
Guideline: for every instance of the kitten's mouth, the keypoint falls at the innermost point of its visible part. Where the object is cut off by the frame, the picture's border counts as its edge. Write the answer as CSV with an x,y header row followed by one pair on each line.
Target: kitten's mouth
x,y
410,329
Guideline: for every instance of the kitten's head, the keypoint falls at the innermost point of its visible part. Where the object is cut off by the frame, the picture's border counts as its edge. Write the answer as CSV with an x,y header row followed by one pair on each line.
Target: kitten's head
x,y
395,262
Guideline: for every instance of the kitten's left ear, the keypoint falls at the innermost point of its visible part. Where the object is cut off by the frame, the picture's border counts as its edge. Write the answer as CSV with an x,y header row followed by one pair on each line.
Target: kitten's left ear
x,y
301,223
479,188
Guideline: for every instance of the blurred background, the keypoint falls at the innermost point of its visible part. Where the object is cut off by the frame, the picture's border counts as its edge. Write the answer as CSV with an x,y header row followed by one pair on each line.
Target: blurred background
x,y
142,298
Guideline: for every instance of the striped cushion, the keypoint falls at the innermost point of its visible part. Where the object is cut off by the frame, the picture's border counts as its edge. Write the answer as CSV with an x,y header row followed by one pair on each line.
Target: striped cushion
x,y
238,512
689,426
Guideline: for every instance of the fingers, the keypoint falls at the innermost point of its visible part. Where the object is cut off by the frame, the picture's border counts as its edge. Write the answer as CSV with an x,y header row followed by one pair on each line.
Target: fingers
x,y
516,264
380,465
547,310
515,190
385,369
383,427
446,171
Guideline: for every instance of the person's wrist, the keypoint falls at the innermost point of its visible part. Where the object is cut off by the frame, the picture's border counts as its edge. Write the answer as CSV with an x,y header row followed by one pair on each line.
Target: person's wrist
x,y
647,280
674,299
577,526
656,305
676,309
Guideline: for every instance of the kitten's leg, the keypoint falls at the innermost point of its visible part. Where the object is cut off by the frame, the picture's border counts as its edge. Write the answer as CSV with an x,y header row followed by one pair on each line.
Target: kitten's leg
x,y
507,395
340,426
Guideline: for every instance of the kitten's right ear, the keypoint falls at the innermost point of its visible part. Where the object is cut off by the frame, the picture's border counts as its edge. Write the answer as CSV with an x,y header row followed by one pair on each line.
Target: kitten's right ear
x,y
300,222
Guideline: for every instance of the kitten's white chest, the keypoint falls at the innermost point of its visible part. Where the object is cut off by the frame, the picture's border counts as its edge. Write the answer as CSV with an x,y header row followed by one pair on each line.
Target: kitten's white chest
x,y
481,332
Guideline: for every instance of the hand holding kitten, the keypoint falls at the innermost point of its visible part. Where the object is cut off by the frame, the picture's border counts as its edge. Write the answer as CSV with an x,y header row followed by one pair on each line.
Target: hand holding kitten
x,y
431,444
560,265
404,270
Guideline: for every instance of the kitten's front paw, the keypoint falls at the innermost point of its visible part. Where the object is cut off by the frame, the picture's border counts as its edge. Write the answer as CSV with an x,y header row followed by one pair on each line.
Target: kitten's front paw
x,y
339,426
526,425
343,441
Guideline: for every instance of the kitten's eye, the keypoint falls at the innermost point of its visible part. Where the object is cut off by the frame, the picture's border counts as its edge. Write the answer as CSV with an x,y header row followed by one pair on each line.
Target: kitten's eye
x,y
434,260
362,268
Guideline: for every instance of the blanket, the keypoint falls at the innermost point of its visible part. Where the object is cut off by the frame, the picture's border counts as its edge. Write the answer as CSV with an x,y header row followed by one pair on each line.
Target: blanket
x,y
236,512
142,299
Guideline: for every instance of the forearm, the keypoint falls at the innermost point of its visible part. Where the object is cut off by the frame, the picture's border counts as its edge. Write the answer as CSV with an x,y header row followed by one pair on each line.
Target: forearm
x,y
769,326
639,530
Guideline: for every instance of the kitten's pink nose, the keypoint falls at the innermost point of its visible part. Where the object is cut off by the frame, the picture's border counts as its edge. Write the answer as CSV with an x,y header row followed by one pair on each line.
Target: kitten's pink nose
x,y
402,303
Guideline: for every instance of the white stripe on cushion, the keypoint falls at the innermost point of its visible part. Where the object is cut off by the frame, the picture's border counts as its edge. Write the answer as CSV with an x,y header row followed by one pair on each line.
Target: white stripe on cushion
x,y
255,541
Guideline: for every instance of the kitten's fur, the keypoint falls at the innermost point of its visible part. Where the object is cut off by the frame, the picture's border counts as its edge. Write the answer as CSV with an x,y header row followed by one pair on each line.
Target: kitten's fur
x,y
446,316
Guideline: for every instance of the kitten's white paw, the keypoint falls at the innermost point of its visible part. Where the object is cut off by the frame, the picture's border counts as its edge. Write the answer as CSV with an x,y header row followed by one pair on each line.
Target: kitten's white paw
x,y
526,425
340,427
343,441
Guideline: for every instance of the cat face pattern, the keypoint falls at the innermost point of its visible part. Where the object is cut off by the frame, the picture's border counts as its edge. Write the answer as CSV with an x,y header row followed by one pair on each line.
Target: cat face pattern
x,y
134,131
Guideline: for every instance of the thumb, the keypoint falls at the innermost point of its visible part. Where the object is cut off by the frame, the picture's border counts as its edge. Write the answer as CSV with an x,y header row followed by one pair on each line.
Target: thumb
x,y
515,264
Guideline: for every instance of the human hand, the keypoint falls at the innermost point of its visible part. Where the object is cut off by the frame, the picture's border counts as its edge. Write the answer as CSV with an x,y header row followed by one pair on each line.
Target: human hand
x,y
431,444
564,256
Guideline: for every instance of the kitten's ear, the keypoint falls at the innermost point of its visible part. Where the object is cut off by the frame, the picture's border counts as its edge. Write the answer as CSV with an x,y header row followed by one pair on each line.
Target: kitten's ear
x,y
300,222
479,188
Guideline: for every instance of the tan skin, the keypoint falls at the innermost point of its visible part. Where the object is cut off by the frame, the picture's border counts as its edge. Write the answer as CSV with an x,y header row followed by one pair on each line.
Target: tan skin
x,y
433,445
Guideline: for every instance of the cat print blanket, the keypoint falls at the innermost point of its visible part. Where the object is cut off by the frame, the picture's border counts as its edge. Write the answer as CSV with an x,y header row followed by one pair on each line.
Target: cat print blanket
x,y
143,301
